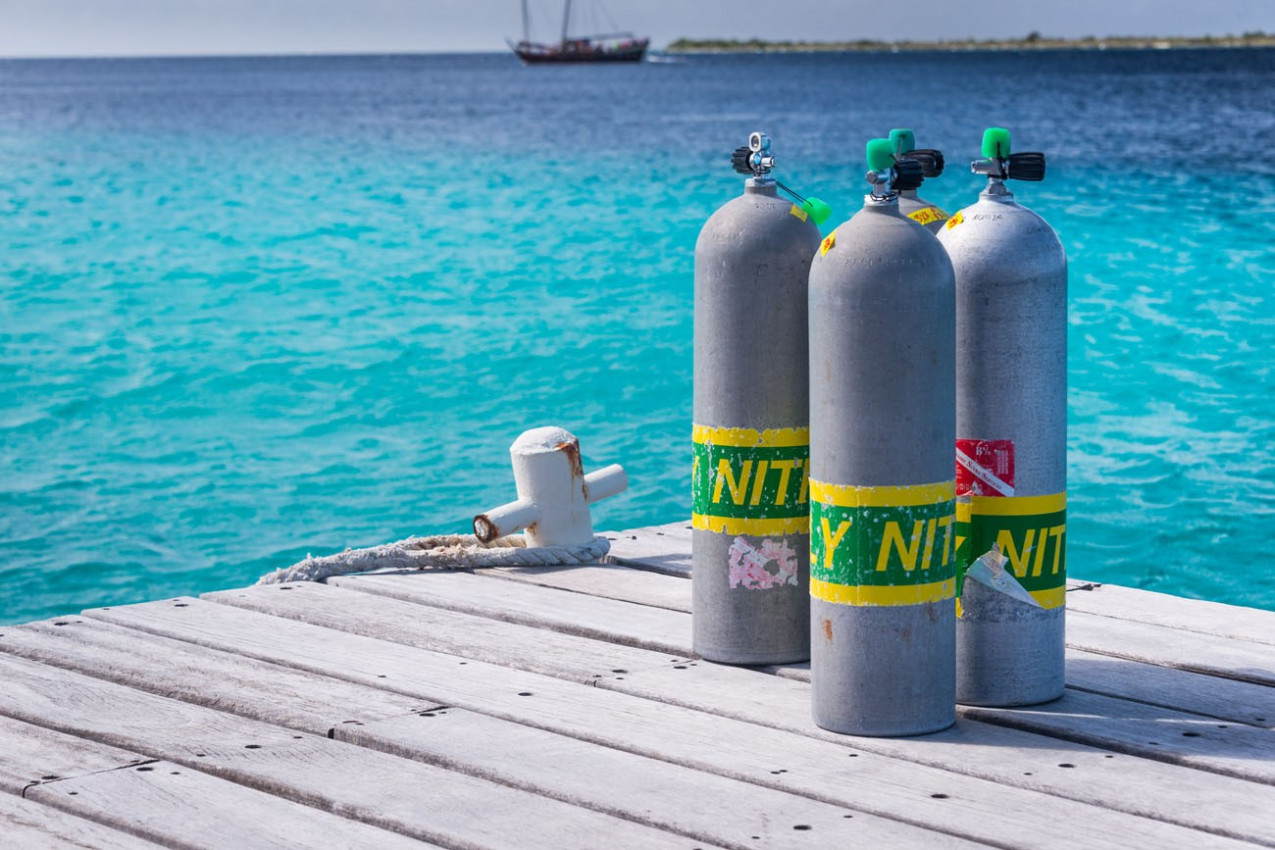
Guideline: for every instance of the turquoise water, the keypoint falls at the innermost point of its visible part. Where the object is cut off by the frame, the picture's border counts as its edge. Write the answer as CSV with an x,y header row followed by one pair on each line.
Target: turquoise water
x,y
252,309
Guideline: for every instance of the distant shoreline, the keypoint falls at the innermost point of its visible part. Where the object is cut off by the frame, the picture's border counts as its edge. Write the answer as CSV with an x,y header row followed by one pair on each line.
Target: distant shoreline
x,y
1033,41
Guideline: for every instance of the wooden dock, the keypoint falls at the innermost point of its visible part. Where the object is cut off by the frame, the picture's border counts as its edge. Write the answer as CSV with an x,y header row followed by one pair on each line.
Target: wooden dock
x,y
561,707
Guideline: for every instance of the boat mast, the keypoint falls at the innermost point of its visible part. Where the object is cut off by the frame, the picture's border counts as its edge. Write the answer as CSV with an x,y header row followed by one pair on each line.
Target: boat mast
x,y
526,23
566,21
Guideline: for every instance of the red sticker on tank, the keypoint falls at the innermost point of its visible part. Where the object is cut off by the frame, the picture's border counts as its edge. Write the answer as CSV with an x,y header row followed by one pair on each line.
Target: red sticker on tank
x,y
984,467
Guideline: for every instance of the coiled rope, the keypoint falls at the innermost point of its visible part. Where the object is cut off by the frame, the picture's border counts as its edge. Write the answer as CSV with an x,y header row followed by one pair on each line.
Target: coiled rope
x,y
440,552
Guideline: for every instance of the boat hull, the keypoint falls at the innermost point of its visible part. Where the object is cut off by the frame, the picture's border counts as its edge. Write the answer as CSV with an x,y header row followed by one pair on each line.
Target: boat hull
x,y
574,53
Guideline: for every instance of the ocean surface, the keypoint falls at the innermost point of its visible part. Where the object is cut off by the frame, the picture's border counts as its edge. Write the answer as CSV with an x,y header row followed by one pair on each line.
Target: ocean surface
x,y
256,308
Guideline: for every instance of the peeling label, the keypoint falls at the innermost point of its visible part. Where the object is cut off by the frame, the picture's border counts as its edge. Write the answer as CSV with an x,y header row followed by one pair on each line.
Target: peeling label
x,y
797,212
773,564
829,241
955,220
927,215
984,467
1030,531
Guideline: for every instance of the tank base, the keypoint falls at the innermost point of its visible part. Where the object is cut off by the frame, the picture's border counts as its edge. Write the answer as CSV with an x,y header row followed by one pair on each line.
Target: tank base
x,y
1008,653
883,671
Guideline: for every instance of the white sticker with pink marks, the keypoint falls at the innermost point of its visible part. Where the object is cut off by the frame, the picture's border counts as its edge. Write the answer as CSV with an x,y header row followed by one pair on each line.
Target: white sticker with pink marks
x,y
773,564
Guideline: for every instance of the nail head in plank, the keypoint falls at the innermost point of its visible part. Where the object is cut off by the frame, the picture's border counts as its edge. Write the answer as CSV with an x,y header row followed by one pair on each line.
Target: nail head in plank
x,y
31,754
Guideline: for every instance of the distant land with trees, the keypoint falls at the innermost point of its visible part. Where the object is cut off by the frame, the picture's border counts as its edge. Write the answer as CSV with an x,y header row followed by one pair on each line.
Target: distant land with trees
x,y
1032,41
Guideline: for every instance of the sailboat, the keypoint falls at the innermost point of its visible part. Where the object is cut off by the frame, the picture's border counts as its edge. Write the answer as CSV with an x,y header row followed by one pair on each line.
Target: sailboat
x,y
611,47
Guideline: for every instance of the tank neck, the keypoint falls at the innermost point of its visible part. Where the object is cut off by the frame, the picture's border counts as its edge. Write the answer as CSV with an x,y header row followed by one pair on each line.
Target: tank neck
x,y
997,191
760,186
908,193
888,205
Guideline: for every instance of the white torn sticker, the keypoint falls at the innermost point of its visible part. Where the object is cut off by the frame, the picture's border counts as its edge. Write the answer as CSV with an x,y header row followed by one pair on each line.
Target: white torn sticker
x,y
989,570
773,564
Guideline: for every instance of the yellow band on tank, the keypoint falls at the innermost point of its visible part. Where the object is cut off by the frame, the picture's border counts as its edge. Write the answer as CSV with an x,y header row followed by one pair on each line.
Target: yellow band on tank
x,y
754,527
1053,597
1009,505
750,437
883,595
847,496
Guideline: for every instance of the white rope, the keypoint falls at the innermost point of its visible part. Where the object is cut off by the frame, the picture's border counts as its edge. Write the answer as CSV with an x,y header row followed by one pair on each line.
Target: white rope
x,y
441,552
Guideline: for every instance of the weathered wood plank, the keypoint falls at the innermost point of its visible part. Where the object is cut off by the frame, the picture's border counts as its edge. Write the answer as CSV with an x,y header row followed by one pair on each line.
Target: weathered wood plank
x,y
1137,640
1162,609
1246,661
452,632
177,807
830,768
161,801
689,802
1223,699
34,826
225,681
608,581
605,619
564,611
661,548
32,754
600,778
404,796
1134,728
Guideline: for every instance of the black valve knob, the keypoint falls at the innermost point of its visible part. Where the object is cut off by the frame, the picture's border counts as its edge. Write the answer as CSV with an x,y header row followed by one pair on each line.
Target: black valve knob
x,y
742,160
1025,166
908,174
931,160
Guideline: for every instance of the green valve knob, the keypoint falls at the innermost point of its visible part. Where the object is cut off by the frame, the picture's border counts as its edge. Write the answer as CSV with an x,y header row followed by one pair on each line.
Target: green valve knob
x,y
817,210
880,155
996,143
903,140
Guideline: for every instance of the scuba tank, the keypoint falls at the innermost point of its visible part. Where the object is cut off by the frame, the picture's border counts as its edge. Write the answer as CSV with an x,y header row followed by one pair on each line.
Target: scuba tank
x,y
1011,448
882,404
750,541
918,209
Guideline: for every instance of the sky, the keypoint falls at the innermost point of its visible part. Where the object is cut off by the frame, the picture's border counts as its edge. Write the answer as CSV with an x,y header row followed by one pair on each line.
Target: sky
x,y
219,27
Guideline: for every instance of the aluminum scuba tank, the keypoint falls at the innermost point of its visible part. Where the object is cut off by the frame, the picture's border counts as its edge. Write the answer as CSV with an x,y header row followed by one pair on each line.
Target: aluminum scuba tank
x,y
882,406
750,515
918,209
1011,449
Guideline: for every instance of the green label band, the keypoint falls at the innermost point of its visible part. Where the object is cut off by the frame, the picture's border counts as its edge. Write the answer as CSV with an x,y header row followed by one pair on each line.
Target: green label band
x,y
882,545
745,481
1032,534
